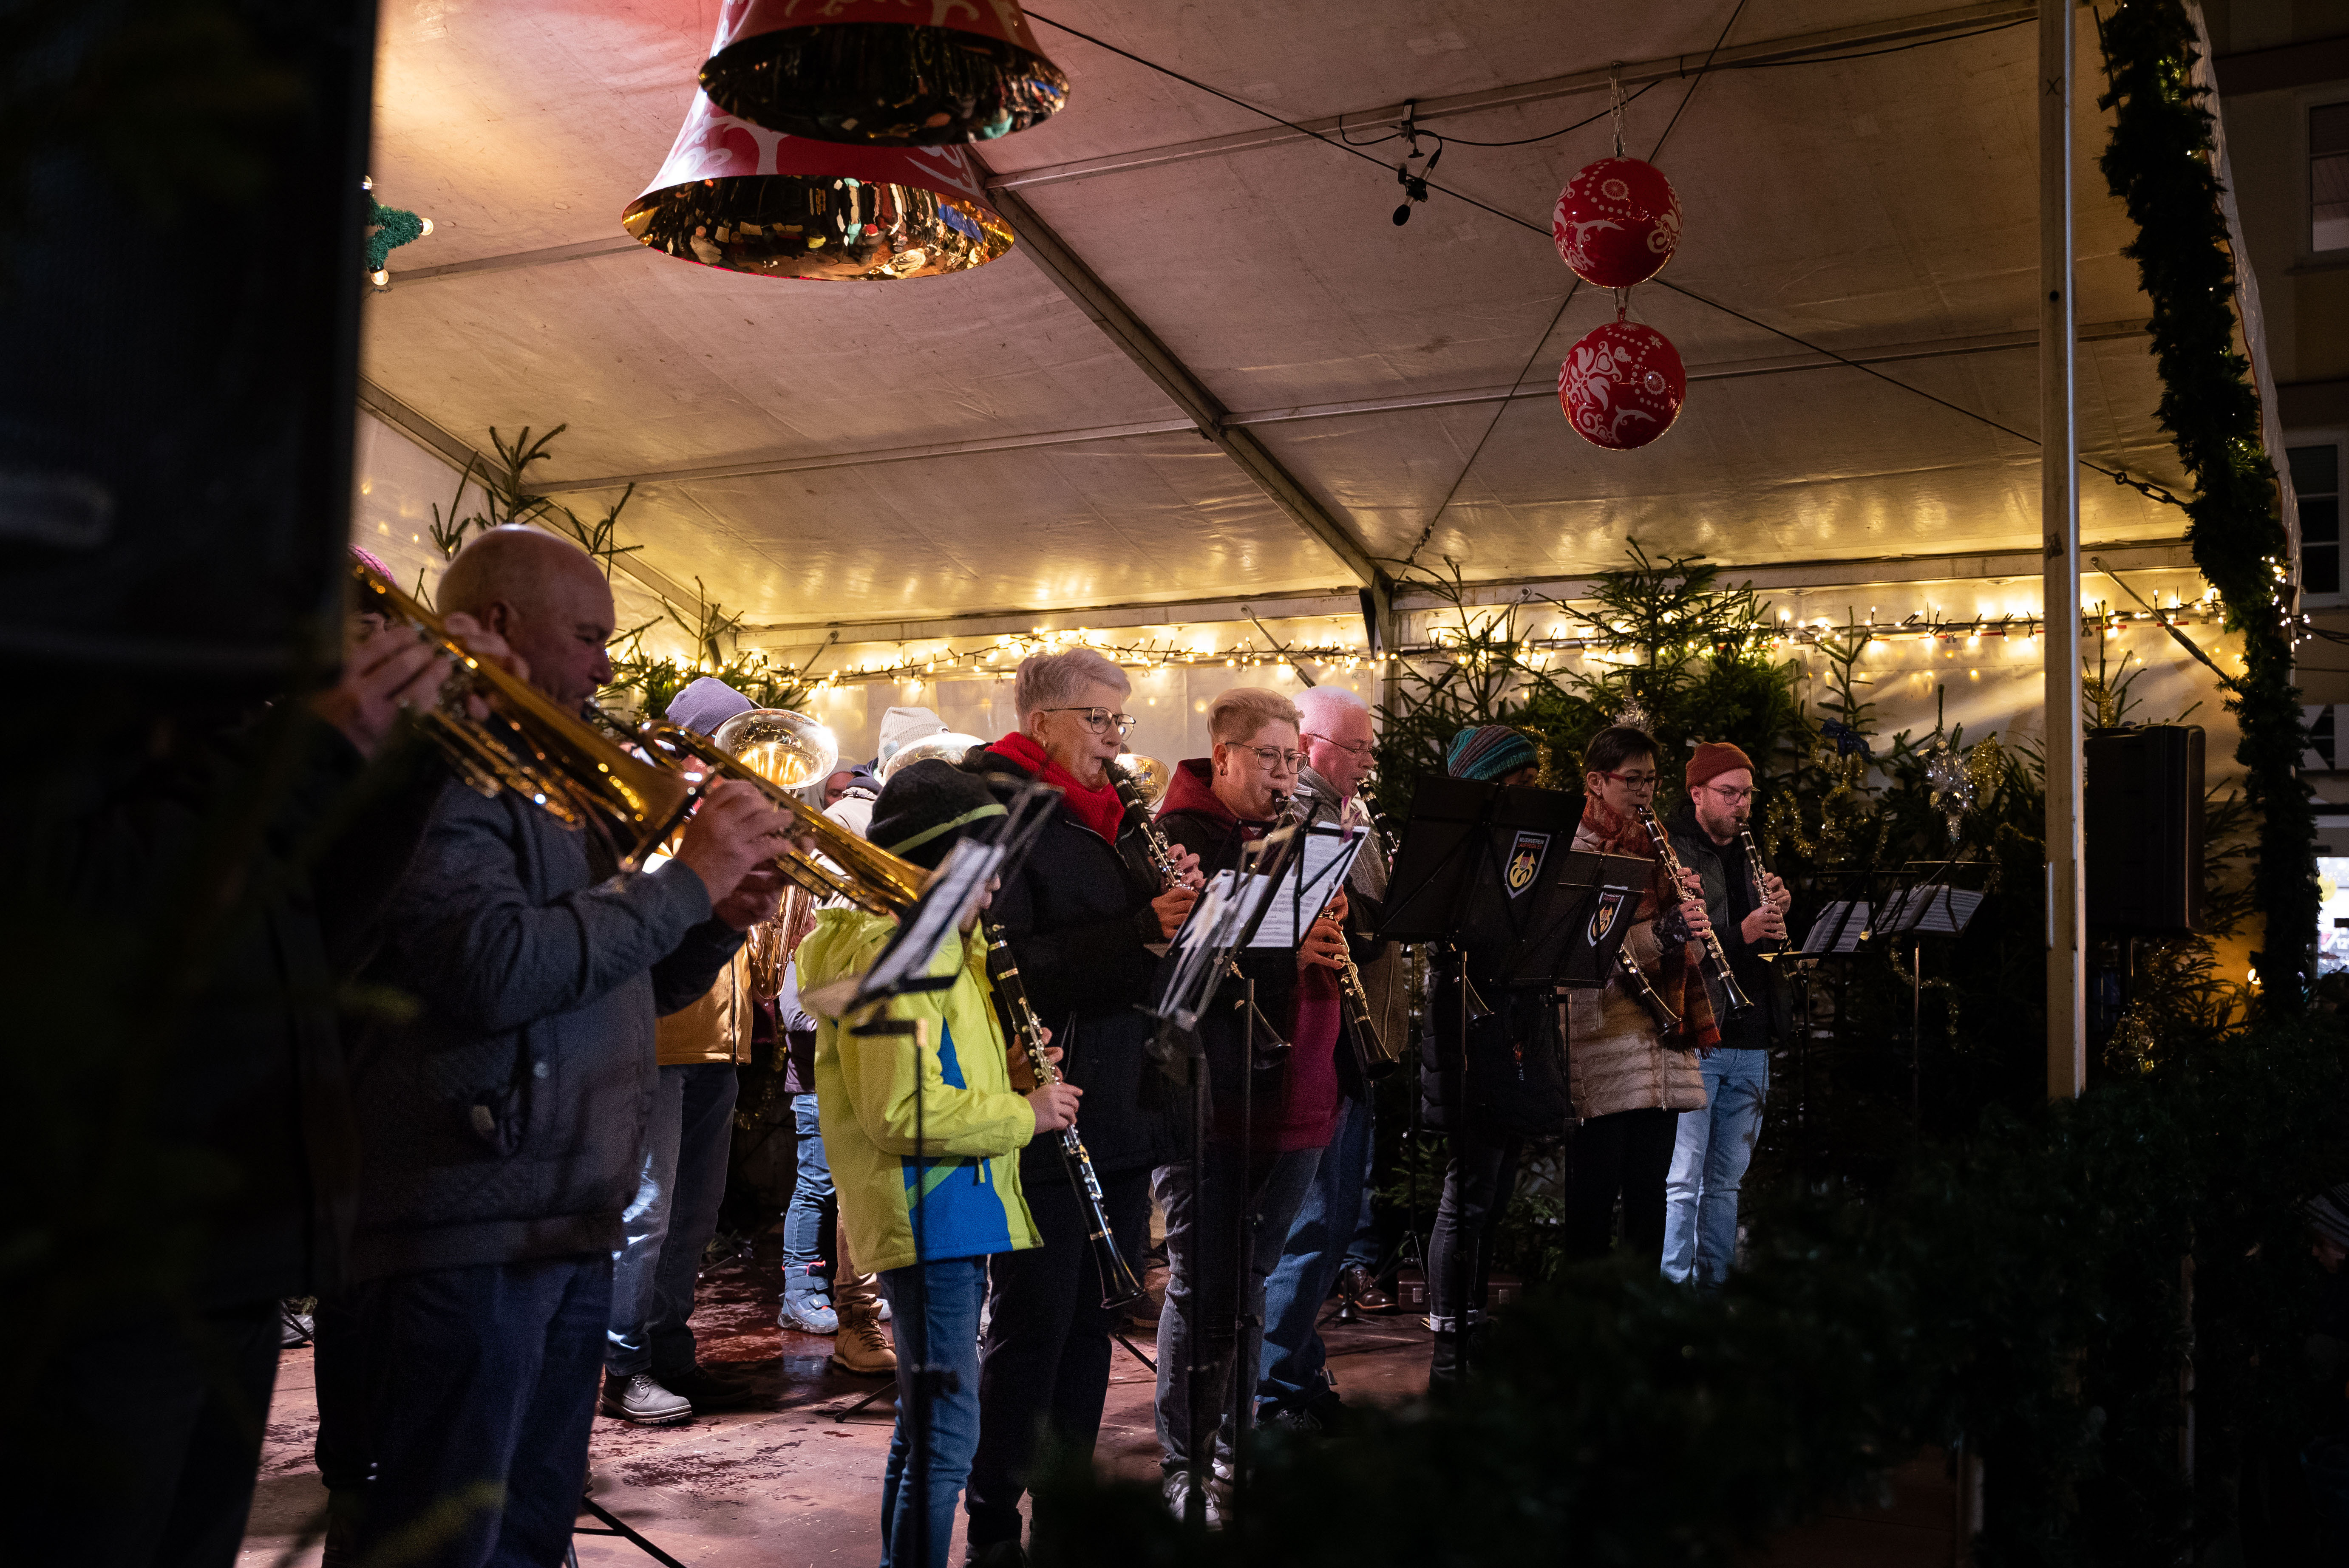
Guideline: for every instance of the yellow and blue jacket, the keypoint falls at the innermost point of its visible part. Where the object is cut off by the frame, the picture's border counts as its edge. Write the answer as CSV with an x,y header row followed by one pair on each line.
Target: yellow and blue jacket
x,y
972,1124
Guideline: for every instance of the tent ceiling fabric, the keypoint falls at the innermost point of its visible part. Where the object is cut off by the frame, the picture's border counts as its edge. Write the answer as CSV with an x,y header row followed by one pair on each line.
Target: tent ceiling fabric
x,y
1859,204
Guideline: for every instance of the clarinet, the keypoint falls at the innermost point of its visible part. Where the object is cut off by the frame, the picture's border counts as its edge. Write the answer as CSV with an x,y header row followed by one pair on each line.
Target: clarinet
x,y
1119,1286
1778,949
1162,860
1371,1053
1716,960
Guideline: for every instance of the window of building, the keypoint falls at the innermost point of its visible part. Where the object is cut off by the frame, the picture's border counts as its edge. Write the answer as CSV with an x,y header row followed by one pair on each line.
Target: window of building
x,y
2316,483
2328,177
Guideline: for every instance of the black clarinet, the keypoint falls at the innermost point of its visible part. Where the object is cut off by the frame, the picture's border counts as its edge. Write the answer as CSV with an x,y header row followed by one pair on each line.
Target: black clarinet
x,y
1716,958
1777,948
1371,1053
1119,1286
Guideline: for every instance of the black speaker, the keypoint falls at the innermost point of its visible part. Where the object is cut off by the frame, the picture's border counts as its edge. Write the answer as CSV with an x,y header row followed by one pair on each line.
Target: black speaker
x,y
2142,825
181,229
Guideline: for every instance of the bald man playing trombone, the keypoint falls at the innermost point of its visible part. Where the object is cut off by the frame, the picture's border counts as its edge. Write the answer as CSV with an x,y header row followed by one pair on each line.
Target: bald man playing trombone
x,y
501,1119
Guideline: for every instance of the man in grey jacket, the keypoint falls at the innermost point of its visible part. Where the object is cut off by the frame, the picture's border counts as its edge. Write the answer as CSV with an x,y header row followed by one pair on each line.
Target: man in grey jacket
x,y
499,1123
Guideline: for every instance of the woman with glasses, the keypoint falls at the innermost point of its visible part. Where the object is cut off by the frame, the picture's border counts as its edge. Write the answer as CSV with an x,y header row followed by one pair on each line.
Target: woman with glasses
x,y
1214,806
1080,913
1747,906
1632,1078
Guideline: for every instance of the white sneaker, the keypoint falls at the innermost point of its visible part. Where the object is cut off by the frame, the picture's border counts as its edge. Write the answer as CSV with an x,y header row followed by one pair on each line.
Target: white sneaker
x,y
1177,1488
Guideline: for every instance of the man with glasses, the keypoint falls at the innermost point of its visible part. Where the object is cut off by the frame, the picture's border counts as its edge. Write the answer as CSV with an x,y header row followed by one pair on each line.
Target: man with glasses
x,y
1215,805
1080,915
1747,906
1331,1241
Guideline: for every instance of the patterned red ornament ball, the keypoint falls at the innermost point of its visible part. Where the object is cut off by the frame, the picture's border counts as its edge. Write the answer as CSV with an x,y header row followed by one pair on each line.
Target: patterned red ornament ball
x,y
1622,386
1617,222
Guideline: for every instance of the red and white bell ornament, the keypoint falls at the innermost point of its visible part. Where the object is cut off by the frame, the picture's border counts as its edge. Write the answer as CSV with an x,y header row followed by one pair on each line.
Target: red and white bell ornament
x,y
883,73
1617,222
1622,386
738,196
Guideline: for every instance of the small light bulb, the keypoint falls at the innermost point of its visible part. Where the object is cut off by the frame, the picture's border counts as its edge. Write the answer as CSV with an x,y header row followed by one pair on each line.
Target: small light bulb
x,y
428,228
380,277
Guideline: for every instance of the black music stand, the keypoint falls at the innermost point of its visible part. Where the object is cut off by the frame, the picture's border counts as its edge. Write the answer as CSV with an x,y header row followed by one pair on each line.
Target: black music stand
x,y
1489,868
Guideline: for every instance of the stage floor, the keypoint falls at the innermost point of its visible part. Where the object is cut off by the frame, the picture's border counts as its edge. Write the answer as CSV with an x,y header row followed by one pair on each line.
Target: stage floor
x,y
787,1484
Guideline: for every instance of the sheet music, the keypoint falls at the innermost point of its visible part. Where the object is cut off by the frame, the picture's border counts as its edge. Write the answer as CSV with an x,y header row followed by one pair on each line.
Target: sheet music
x,y
1313,878
1936,909
948,898
1844,921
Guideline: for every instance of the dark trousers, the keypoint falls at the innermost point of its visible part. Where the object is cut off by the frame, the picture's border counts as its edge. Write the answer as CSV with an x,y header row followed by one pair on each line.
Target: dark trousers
x,y
1626,1155
1478,1180
140,1448
1043,1371
467,1393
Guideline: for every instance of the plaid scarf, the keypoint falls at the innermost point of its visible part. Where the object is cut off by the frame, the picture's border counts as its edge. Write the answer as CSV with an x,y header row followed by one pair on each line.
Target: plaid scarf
x,y
1679,977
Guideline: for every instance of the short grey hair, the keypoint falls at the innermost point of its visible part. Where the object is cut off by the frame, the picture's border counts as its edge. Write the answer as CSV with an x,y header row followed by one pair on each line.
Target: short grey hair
x,y
1240,713
1052,680
1319,704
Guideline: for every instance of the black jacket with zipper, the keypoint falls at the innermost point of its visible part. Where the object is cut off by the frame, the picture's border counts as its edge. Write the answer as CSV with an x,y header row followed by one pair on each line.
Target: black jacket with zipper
x,y
1077,913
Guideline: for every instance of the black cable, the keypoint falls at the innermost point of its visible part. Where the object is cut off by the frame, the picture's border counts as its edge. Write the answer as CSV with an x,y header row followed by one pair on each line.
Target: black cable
x,y
1546,136
1871,54
1701,72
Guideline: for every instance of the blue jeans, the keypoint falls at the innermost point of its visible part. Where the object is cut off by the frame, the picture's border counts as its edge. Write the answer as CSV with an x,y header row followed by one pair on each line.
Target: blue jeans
x,y
1294,1369
1202,1263
679,1184
933,1316
1716,1145
470,1397
804,1215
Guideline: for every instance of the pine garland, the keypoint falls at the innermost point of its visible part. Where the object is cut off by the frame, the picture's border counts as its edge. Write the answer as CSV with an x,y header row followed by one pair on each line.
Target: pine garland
x,y
2160,163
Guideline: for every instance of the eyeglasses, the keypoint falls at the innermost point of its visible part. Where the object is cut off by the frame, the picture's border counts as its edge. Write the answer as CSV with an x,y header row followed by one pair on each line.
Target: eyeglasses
x,y
1099,719
1361,751
1630,780
1272,758
1732,797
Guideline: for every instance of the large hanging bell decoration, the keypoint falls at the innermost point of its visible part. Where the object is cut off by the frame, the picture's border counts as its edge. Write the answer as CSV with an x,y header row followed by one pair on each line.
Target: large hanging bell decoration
x,y
883,73
1622,386
738,196
1616,222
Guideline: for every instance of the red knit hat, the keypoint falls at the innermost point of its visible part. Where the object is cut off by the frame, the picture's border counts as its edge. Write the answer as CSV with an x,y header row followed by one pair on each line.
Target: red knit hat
x,y
1713,758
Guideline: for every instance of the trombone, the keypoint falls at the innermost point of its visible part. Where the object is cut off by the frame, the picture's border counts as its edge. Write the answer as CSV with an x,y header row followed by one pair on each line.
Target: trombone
x,y
556,760
780,752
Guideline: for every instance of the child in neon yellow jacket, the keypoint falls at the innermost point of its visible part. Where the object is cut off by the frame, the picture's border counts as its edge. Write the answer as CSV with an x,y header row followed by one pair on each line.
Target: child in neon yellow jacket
x,y
923,1132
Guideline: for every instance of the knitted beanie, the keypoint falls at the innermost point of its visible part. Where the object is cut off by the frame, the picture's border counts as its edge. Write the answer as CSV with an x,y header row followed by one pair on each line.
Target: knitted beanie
x,y
1713,758
1486,752
2328,1214
925,807
705,704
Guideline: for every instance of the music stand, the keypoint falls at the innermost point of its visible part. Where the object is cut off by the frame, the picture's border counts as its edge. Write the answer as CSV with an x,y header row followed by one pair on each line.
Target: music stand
x,y
1488,868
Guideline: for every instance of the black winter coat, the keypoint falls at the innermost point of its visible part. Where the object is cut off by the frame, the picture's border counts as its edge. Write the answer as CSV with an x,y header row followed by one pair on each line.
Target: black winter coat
x,y
1515,1081
1078,916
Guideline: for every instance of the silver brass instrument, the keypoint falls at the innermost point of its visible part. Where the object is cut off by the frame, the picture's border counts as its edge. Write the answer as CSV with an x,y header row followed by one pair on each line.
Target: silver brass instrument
x,y
1778,949
781,752
1716,958
1372,1053
528,744
1119,1286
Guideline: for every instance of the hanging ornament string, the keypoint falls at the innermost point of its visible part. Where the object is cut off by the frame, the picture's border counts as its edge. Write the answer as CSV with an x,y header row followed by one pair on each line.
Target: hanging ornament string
x,y
1615,89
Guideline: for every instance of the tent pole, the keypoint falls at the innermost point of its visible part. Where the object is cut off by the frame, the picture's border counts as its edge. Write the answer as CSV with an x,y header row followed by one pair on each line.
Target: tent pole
x,y
2059,509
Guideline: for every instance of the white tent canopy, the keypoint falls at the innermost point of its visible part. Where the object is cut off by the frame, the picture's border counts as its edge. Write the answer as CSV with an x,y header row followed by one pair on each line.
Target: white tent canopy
x,y
901,452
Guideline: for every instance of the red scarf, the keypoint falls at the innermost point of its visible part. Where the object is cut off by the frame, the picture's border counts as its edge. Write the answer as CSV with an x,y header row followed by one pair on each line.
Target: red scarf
x,y
1677,978
1093,807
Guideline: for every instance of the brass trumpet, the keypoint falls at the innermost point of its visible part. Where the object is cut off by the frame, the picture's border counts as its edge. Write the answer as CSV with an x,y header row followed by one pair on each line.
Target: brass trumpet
x,y
780,752
556,760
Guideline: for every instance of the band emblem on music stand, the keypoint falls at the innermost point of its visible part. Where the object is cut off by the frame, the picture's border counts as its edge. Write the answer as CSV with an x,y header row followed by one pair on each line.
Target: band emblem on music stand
x,y
1602,918
1525,856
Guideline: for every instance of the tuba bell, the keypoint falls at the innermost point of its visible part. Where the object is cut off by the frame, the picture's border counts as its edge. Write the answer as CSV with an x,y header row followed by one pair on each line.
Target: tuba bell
x,y
781,752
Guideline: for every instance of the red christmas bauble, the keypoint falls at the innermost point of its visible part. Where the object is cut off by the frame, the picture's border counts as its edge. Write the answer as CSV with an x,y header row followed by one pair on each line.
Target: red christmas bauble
x,y
1622,386
1617,222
